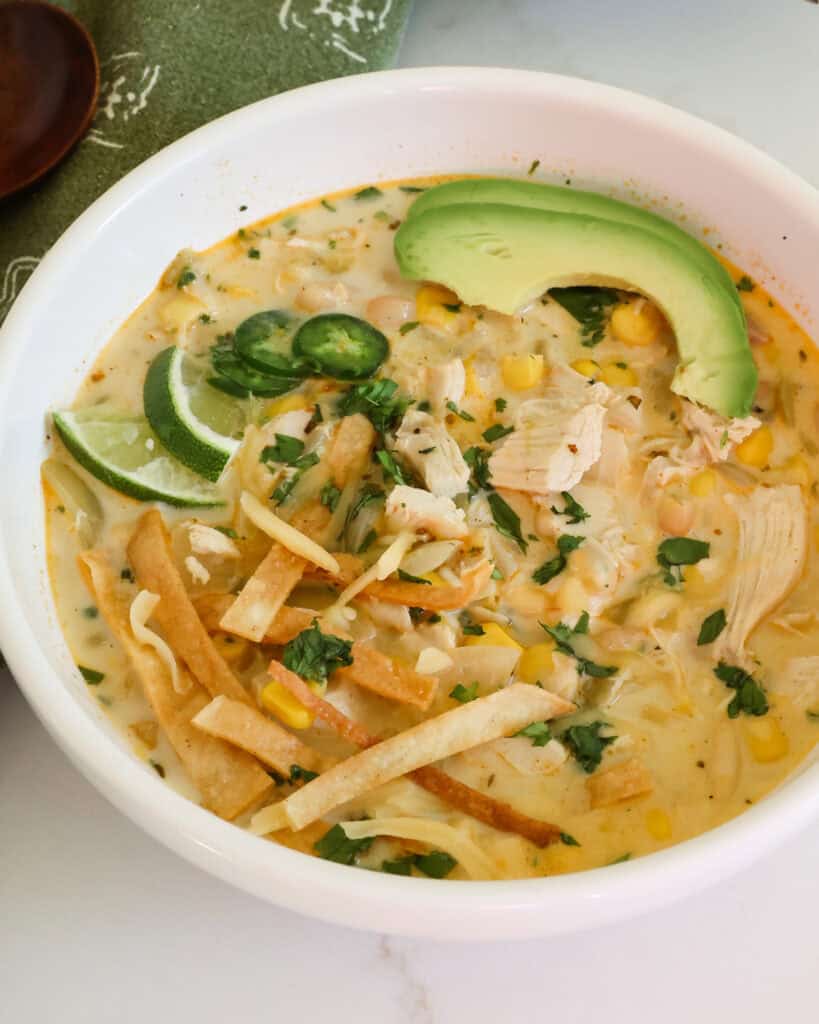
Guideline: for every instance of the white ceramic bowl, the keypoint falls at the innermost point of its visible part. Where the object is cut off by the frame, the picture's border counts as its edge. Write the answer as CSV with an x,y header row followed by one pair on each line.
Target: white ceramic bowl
x,y
267,156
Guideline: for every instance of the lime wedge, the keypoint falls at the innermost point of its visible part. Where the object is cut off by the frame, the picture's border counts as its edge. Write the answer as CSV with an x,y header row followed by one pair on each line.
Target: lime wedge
x,y
198,424
123,452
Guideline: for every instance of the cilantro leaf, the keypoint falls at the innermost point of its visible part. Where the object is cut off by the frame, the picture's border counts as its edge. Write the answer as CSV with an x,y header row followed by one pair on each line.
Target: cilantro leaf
x,y
435,864
573,510
478,461
464,694
538,732
378,400
749,697
554,566
186,277
314,655
470,628
464,415
330,495
410,325
568,840
500,404
496,432
334,845
370,192
407,577
400,866
507,521
287,449
745,284
91,675
677,551
301,466
298,773
586,744
711,627
392,470
590,307
562,634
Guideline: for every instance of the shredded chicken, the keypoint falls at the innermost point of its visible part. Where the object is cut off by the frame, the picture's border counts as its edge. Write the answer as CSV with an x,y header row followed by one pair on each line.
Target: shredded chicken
x,y
426,444
769,560
410,507
556,439
445,383
205,540
713,436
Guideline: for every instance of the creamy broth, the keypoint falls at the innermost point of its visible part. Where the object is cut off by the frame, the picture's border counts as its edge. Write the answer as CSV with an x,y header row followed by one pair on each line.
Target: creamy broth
x,y
676,763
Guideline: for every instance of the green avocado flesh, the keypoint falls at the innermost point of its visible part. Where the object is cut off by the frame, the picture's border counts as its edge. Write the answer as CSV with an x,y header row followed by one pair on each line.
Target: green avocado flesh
x,y
511,192
504,257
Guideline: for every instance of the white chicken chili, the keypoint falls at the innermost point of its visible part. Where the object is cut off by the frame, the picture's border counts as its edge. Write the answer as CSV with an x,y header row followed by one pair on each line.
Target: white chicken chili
x,y
419,533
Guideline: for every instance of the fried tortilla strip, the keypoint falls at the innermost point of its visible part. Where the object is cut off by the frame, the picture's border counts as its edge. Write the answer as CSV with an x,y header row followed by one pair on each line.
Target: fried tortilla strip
x,y
482,720
338,722
477,805
229,780
248,728
371,670
623,781
149,553
463,798
262,597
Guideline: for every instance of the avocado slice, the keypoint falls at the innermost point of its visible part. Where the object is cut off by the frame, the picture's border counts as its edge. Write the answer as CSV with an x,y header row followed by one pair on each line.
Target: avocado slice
x,y
504,257
513,192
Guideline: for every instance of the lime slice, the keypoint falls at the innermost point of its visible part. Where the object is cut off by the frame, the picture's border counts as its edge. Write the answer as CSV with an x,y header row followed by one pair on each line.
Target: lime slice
x,y
198,424
123,452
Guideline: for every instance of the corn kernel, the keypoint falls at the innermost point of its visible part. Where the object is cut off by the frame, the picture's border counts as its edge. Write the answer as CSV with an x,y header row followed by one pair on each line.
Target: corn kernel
x,y
432,308
636,322
703,483
797,471
230,647
281,703
766,740
535,663
588,367
618,375
472,388
522,372
287,403
658,824
756,449
493,636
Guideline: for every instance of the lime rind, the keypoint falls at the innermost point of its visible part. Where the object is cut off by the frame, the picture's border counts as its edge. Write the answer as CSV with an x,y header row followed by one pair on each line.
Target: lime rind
x,y
122,451
167,401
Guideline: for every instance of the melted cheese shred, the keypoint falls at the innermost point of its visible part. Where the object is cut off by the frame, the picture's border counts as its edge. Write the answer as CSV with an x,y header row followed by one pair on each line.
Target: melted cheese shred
x,y
142,608
288,536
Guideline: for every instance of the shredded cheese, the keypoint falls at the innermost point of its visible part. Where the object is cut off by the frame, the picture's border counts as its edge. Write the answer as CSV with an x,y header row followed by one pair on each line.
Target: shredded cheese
x,y
288,536
386,565
142,608
443,837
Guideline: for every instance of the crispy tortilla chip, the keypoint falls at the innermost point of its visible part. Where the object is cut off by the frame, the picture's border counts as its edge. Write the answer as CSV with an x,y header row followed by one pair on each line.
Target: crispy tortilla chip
x,y
371,670
491,812
338,722
623,781
480,721
349,453
262,597
150,556
229,780
248,728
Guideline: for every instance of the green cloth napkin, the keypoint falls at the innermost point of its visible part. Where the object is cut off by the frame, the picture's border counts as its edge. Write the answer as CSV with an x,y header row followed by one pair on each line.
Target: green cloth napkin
x,y
167,68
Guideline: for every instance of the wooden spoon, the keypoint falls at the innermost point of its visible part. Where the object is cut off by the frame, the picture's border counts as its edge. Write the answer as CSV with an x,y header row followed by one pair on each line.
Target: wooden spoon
x,y
49,85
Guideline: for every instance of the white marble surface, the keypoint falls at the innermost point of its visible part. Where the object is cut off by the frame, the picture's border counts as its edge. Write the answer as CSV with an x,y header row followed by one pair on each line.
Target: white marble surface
x,y
99,923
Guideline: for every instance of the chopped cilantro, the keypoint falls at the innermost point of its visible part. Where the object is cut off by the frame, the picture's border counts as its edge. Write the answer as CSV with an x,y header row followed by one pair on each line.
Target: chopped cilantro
x,y
435,864
329,496
568,840
314,655
586,744
496,574
507,521
411,188
573,510
301,465
470,628
407,577
127,574
812,715
590,307
315,419
410,325
745,284
678,551
370,192
478,461
464,694
390,467
423,406
186,277
253,253
90,612
334,845
496,432
369,537
538,732
401,866
452,307
328,206
500,404
298,773
287,449
533,166
749,697
711,627
467,416
91,675
562,634
378,400
158,768
228,531
426,451
554,566
619,860
205,318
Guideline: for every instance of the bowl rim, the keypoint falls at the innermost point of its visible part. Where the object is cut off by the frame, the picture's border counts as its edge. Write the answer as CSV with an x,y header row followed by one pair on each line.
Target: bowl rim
x,y
364,899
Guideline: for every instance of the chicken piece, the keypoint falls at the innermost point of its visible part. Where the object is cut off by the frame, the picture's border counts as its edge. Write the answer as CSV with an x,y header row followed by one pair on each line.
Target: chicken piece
x,y
198,572
713,437
426,444
410,507
205,540
615,462
556,438
769,561
445,383
623,781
